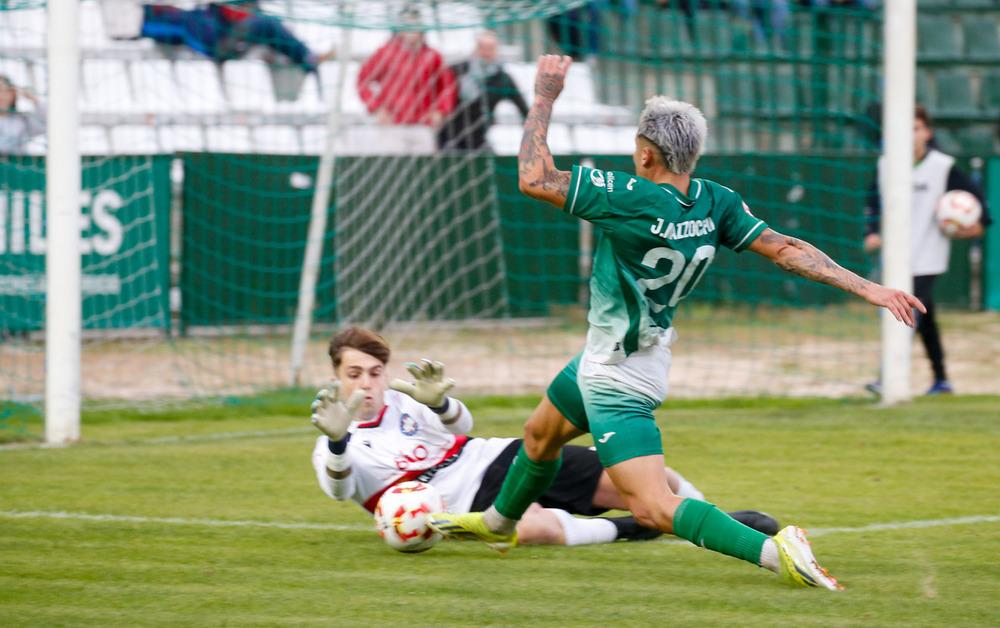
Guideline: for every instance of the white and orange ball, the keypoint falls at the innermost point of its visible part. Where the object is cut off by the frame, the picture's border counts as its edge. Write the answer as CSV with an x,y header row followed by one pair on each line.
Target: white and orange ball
x,y
957,209
401,516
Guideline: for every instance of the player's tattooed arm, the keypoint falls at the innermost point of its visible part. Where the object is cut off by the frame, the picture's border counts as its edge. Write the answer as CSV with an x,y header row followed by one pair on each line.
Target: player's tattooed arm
x,y
537,173
803,259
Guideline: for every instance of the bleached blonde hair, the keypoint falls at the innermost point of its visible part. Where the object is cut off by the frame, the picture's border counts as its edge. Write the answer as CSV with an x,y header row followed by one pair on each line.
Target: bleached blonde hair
x,y
677,128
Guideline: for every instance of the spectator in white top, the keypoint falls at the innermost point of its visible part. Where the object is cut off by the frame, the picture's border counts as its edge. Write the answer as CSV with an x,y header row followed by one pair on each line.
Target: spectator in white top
x,y
18,127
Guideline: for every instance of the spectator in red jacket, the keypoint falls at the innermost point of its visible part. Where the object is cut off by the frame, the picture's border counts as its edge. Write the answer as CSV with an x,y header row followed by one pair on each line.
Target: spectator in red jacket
x,y
407,82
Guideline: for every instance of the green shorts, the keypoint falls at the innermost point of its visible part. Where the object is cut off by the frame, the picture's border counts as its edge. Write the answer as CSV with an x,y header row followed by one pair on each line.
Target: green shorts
x,y
620,419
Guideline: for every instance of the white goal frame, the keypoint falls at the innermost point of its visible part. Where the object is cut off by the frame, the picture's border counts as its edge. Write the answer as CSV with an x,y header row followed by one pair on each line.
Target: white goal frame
x,y
63,182
63,308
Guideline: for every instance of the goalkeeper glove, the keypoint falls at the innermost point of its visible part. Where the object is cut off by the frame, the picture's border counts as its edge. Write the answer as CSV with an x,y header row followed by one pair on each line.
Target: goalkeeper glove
x,y
429,386
331,415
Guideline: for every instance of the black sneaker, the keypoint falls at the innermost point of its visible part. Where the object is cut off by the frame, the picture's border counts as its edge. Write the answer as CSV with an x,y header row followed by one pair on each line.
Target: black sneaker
x,y
759,521
630,530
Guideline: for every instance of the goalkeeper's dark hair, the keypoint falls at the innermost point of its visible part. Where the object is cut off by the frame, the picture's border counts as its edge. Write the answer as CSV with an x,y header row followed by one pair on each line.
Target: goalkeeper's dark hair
x,y
678,129
361,339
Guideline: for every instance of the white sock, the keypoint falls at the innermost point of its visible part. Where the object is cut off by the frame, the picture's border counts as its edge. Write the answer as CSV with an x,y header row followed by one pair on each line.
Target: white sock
x,y
686,489
579,531
769,556
497,522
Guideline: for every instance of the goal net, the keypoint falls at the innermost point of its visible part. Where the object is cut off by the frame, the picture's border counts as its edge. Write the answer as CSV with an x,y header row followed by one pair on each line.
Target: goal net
x,y
202,168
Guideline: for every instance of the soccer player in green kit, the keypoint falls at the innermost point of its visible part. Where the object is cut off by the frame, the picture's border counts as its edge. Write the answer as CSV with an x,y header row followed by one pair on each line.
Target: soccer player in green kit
x,y
660,231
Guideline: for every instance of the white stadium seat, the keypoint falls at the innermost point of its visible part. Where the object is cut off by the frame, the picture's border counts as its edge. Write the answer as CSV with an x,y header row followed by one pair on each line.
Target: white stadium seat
x,y
37,145
228,138
181,137
414,139
156,87
505,139
603,140
560,139
198,84
313,139
18,72
134,139
23,28
248,85
507,113
280,139
579,85
94,140
523,75
351,103
106,87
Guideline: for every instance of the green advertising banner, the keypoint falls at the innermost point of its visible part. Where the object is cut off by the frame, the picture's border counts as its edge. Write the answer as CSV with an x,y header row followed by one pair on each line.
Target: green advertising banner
x,y
125,242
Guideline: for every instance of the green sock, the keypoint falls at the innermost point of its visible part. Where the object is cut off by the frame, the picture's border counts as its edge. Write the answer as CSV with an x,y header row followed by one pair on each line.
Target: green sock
x,y
526,480
705,525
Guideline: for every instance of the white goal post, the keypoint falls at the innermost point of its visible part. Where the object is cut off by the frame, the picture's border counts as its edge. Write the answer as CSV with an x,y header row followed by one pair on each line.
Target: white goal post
x,y
897,193
63,305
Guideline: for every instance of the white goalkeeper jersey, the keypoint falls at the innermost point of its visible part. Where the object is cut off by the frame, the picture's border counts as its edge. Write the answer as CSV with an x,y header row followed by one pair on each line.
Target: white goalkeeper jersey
x,y
407,441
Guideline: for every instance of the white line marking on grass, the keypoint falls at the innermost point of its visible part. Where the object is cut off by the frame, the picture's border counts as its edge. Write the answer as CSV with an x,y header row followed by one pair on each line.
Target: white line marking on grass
x,y
216,523
220,435
219,523
189,438
902,525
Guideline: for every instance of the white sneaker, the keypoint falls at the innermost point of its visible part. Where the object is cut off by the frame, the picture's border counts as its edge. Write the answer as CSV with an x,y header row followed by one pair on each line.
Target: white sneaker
x,y
798,565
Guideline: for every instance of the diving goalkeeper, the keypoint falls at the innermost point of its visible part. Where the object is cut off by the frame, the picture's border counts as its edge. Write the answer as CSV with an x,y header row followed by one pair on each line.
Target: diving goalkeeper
x,y
375,438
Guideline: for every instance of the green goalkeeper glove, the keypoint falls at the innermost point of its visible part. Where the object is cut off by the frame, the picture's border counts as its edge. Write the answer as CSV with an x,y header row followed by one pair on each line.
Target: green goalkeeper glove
x,y
429,386
331,415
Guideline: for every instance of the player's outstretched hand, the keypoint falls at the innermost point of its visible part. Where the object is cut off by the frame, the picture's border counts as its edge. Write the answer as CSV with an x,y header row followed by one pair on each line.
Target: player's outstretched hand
x,y
900,303
551,75
331,415
429,386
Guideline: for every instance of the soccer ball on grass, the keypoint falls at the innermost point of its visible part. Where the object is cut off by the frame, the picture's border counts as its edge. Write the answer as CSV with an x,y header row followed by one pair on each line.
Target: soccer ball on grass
x,y
401,516
957,209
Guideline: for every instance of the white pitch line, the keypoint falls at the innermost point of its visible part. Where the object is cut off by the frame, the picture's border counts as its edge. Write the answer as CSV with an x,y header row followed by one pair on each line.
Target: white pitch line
x,y
902,525
158,440
219,523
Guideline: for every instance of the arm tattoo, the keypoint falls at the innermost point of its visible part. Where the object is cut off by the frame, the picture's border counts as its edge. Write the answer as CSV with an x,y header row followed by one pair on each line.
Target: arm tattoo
x,y
534,162
803,259
548,87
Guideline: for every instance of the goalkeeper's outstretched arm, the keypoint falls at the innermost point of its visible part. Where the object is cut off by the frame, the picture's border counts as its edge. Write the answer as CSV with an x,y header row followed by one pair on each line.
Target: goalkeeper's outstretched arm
x,y
332,416
430,388
537,175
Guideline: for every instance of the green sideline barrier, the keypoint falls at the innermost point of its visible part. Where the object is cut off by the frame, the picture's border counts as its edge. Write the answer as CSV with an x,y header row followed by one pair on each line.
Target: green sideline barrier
x,y
244,266
125,232
245,224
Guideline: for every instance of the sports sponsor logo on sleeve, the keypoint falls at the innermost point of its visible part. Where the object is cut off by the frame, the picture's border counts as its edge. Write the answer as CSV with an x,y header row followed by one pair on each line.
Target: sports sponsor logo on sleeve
x,y
597,178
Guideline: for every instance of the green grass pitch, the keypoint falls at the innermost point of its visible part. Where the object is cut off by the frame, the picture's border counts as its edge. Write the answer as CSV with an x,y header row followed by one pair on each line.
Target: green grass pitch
x,y
212,517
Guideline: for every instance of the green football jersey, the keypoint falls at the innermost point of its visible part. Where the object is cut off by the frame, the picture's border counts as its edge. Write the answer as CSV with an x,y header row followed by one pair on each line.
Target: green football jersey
x,y
655,246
